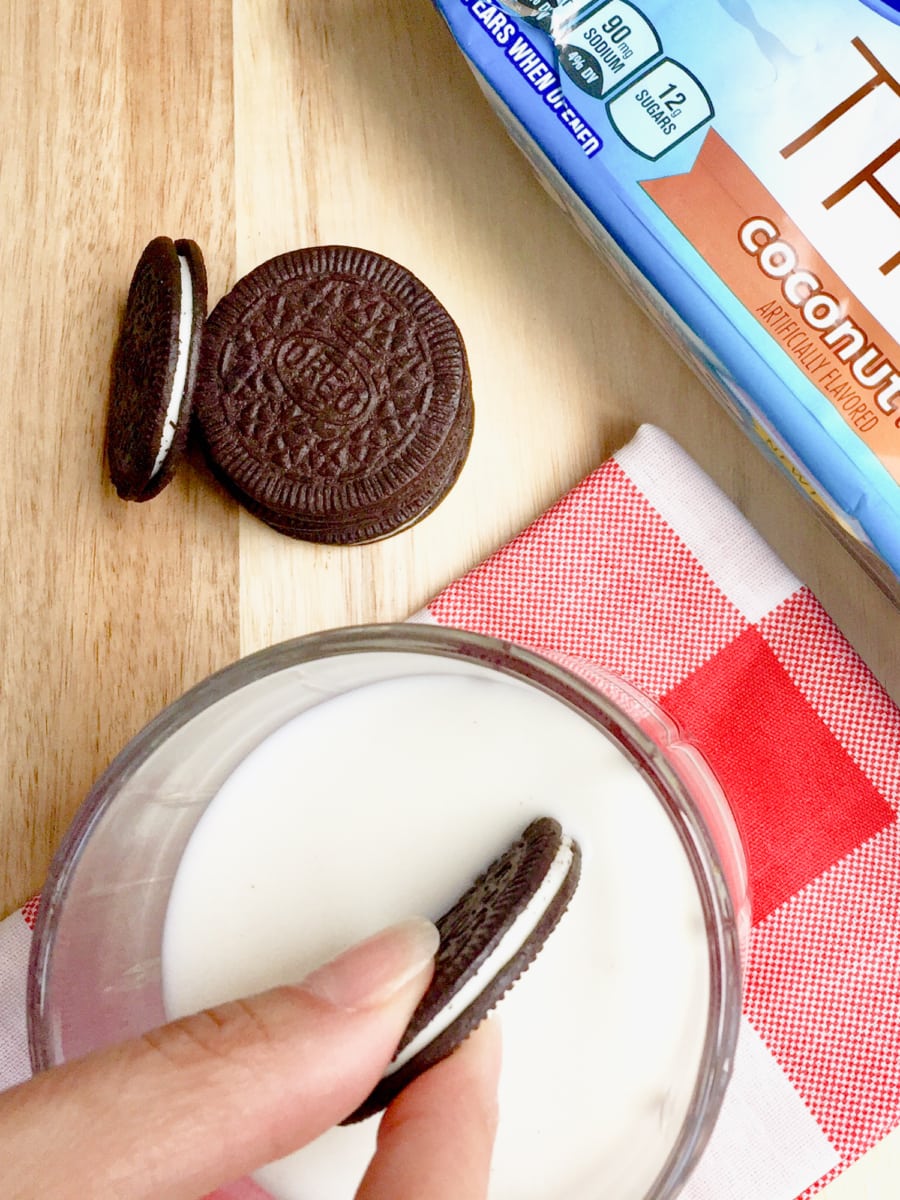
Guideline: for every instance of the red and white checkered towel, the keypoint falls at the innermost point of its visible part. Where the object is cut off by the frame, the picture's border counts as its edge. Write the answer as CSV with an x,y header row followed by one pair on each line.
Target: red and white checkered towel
x,y
647,569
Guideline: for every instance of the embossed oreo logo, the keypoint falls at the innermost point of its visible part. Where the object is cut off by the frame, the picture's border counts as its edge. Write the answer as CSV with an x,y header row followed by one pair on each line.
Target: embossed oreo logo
x,y
328,382
330,376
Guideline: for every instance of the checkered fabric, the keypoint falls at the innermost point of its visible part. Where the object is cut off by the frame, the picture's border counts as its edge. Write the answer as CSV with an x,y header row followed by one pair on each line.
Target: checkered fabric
x,y
646,569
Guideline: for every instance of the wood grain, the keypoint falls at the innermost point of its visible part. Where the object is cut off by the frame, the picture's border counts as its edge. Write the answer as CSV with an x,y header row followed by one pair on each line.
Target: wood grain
x,y
256,126
118,125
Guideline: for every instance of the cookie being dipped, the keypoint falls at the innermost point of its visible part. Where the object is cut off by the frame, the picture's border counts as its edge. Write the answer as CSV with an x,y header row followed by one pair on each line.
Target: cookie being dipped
x,y
155,367
489,937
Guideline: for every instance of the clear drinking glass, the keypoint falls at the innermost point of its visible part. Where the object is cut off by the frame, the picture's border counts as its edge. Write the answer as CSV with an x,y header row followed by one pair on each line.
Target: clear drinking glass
x,y
95,970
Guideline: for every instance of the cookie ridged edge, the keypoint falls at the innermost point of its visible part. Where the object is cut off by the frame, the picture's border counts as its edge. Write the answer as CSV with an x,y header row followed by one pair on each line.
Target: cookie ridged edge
x,y
445,1042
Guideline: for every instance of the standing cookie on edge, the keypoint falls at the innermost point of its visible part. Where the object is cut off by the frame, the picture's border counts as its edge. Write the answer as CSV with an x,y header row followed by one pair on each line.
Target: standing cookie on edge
x,y
154,368
333,395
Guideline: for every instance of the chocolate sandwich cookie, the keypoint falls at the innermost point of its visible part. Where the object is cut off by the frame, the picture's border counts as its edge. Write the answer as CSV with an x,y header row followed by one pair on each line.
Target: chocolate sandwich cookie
x,y
333,395
488,938
154,368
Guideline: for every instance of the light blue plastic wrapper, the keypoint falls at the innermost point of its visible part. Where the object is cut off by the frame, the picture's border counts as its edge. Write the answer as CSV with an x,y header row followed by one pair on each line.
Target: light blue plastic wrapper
x,y
738,163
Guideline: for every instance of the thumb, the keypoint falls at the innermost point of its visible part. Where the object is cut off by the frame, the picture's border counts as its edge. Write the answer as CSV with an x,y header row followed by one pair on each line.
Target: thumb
x,y
211,1097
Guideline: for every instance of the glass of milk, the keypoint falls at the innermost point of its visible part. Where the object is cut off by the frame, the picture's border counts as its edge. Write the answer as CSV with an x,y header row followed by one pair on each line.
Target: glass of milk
x,y
315,792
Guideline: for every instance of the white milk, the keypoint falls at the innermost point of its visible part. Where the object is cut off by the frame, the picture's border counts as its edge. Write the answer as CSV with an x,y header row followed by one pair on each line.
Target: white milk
x,y
386,802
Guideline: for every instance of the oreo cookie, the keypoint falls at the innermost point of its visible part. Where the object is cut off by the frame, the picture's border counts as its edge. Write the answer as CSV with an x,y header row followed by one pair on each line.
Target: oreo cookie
x,y
488,939
155,367
333,395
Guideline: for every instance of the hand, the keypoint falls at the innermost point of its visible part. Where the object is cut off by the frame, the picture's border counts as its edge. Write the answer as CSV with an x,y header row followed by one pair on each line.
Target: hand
x,y
207,1099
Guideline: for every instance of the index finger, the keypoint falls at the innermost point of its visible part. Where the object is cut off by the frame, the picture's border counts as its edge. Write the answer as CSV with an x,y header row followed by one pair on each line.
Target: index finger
x,y
436,1139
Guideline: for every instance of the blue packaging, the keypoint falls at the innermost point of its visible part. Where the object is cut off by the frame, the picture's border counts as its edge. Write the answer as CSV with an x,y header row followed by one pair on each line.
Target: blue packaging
x,y
738,163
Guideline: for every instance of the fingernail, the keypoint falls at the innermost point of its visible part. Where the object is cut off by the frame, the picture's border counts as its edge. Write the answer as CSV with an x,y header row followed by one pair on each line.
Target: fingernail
x,y
371,972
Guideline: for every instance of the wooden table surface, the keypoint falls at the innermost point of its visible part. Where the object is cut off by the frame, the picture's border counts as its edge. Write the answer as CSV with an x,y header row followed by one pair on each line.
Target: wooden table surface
x,y
256,126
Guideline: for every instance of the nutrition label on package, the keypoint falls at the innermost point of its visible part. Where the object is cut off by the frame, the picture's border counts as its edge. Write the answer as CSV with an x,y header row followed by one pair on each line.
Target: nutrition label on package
x,y
612,51
600,52
660,109
536,12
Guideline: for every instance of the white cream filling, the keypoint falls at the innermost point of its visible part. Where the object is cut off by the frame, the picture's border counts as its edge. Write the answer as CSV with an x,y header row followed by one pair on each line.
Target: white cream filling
x,y
506,949
179,379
